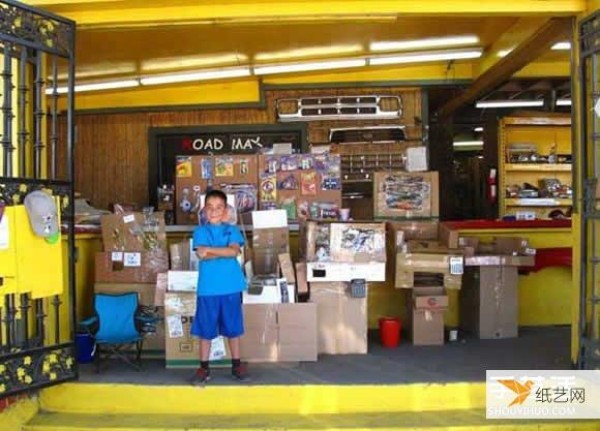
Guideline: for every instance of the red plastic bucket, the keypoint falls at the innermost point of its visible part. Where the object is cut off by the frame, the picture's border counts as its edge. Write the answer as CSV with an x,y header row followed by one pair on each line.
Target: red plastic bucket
x,y
389,331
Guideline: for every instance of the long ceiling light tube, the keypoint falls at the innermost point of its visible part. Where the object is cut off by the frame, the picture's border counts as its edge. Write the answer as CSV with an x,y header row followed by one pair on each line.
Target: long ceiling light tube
x,y
309,67
436,42
237,72
423,57
96,86
483,104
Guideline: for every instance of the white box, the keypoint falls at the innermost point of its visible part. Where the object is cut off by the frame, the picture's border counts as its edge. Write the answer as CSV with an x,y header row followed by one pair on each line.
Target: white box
x,y
337,271
269,219
182,281
272,294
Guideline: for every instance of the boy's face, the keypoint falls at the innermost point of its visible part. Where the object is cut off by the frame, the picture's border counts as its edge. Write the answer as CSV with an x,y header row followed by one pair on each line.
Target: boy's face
x,y
215,210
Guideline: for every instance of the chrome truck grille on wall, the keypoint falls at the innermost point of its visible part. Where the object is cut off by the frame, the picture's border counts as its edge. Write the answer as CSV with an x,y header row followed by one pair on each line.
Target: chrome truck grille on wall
x,y
365,107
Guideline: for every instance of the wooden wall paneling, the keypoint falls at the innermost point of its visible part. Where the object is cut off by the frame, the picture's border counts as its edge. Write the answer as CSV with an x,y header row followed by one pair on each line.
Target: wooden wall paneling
x,y
111,154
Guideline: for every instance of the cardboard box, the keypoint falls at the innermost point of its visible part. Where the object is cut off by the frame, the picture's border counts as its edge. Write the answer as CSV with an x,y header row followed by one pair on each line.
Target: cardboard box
x,y
270,238
182,281
315,241
130,267
407,264
180,256
279,332
427,320
448,236
357,242
271,291
413,229
265,261
287,267
406,194
301,278
130,232
338,272
341,319
489,301
182,350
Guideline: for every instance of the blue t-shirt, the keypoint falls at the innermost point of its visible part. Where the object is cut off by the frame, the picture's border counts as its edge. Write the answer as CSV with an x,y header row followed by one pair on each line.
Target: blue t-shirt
x,y
219,275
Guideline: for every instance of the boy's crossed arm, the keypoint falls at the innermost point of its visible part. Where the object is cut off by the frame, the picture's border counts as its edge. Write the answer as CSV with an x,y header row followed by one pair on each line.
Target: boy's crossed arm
x,y
232,250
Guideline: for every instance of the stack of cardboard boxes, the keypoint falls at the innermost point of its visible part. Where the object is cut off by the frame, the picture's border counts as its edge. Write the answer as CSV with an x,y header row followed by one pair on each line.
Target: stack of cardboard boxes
x,y
135,251
277,328
338,255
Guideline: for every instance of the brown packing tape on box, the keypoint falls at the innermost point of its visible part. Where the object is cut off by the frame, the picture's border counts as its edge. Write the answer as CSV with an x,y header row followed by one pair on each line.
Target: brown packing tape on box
x,y
125,232
342,320
144,266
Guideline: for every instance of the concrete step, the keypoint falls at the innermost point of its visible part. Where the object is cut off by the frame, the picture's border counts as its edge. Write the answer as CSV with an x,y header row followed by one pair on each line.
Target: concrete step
x,y
126,407
428,421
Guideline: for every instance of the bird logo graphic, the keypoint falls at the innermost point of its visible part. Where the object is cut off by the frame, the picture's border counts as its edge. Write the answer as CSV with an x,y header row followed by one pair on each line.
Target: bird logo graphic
x,y
521,389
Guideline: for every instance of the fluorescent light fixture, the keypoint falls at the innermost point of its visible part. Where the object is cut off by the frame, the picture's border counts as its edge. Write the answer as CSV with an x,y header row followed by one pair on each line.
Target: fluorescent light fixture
x,y
314,51
478,129
193,61
96,86
196,76
436,42
509,104
307,67
561,46
462,144
563,102
426,57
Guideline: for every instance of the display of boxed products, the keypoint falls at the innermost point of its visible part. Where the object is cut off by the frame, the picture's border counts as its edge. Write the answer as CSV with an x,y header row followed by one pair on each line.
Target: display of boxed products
x,y
304,185
427,315
236,175
130,267
341,319
406,194
279,332
130,231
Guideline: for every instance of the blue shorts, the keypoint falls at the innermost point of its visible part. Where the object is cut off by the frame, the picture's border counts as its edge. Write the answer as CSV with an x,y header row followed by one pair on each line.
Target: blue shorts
x,y
218,315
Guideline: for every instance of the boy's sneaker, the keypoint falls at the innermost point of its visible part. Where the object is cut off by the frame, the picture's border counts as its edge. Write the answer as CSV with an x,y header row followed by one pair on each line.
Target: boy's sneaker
x,y
200,377
240,373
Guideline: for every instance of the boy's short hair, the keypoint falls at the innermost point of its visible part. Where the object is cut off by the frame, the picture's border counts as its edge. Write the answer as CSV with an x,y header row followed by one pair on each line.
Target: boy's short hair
x,y
214,193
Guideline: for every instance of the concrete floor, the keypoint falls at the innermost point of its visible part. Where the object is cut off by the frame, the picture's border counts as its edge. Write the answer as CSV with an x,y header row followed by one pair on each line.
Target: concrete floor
x,y
463,361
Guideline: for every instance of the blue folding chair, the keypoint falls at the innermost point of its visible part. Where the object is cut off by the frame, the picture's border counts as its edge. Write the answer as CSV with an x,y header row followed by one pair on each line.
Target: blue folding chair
x,y
116,326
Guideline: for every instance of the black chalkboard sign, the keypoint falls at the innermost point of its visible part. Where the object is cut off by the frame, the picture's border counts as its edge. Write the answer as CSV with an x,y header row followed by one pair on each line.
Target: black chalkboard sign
x,y
166,143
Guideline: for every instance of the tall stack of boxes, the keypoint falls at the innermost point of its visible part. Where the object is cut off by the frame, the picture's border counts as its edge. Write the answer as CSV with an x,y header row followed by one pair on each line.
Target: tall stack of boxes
x,y
277,328
135,251
341,257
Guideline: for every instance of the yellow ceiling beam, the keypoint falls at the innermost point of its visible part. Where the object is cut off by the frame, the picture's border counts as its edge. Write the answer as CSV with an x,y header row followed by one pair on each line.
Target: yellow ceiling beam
x,y
520,31
551,69
134,13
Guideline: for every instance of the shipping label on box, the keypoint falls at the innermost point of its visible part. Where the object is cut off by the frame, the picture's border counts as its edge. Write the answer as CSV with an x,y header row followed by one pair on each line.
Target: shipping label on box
x,y
182,281
110,267
405,194
357,242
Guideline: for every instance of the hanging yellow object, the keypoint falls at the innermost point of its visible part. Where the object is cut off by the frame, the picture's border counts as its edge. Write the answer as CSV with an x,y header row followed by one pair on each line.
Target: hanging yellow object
x,y
28,263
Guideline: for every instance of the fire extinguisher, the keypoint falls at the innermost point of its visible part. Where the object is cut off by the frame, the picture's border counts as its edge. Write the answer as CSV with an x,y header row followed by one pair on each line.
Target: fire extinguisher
x,y
492,186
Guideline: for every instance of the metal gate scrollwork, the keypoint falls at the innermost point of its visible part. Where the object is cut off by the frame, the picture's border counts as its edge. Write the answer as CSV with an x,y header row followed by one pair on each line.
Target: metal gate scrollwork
x,y
37,52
